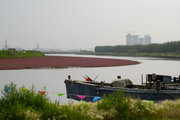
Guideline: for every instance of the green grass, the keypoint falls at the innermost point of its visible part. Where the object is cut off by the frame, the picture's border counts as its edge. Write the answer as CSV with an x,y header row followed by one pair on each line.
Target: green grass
x,y
163,55
124,108
19,54
23,104
137,54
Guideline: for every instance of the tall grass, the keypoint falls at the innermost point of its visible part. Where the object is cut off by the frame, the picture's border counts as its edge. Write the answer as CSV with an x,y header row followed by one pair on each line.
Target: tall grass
x,y
170,109
124,108
28,104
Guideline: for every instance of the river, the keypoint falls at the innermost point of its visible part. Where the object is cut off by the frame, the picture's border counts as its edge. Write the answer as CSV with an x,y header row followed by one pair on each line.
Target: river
x,y
53,79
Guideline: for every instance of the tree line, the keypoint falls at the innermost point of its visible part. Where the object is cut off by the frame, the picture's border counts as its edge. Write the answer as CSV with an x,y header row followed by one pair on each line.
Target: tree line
x,y
172,47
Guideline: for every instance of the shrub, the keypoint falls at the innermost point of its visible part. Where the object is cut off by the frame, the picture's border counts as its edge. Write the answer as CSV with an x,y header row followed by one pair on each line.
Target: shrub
x,y
76,112
117,104
17,104
169,109
119,107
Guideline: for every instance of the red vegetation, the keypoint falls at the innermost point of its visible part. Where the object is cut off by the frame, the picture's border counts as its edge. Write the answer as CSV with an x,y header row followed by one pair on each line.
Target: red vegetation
x,y
61,62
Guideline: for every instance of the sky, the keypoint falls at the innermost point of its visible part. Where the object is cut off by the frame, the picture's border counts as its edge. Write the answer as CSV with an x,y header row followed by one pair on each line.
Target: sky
x,y
84,24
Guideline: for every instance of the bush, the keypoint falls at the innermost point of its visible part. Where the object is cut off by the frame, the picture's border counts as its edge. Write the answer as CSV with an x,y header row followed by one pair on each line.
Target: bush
x,y
117,104
76,112
17,103
119,107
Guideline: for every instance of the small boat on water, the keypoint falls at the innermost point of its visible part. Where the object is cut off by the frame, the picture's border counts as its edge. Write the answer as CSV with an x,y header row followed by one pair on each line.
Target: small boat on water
x,y
156,88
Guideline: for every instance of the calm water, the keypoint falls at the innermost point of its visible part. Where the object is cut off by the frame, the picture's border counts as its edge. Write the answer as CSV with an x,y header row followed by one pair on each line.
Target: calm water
x,y
53,79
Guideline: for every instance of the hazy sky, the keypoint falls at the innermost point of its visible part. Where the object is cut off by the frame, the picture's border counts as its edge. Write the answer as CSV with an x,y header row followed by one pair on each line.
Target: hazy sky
x,y
81,24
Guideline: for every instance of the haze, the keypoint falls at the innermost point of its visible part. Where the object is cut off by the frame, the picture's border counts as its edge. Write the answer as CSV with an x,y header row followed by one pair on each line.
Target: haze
x,y
84,24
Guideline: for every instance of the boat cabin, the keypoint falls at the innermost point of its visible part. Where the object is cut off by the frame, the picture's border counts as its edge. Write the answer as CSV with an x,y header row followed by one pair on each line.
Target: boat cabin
x,y
161,82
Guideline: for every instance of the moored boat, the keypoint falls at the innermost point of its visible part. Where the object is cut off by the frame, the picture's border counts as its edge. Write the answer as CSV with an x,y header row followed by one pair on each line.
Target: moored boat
x,y
156,88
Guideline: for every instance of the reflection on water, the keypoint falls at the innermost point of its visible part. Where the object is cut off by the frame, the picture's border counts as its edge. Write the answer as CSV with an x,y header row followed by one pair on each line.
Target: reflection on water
x,y
53,79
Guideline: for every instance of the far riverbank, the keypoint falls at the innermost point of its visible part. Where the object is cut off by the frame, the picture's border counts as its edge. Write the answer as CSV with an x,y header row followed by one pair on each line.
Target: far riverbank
x,y
155,55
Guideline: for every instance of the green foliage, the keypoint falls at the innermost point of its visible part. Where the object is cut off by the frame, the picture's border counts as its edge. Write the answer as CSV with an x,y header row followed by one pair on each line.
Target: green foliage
x,y
118,104
169,47
119,107
144,110
21,104
19,54
16,103
132,51
170,109
76,112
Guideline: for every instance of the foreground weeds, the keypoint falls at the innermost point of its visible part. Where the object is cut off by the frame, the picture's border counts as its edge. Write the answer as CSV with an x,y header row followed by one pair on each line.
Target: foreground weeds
x,y
28,104
122,108
21,104
170,109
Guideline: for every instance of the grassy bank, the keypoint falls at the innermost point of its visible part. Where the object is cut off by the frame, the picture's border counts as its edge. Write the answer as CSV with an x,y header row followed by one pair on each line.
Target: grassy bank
x,y
28,104
131,54
19,54
160,55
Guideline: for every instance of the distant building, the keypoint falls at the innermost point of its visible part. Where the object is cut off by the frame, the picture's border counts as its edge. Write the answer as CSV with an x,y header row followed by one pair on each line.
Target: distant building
x,y
128,39
136,40
141,41
6,46
147,39
37,47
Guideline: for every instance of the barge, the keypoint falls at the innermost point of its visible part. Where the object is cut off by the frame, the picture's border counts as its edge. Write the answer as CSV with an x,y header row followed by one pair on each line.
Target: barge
x,y
156,88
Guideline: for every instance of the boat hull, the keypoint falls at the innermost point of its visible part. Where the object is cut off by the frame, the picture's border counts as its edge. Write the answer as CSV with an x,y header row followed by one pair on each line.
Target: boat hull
x,y
90,90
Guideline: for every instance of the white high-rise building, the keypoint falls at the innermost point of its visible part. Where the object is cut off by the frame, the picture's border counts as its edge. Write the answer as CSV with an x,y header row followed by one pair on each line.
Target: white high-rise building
x,y
136,40
141,41
6,45
147,39
128,39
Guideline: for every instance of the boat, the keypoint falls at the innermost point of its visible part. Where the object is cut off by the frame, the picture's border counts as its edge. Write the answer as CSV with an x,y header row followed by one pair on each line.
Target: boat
x,y
155,88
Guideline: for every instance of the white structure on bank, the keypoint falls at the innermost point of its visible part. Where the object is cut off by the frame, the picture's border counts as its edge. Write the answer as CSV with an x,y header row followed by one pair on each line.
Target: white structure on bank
x,y
6,46
136,40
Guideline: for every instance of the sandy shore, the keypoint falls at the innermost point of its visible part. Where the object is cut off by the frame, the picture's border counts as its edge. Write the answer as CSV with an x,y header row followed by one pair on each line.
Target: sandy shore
x,y
61,62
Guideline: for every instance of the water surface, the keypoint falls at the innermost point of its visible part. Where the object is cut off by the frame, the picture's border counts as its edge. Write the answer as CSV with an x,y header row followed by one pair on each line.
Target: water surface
x,y
53,79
